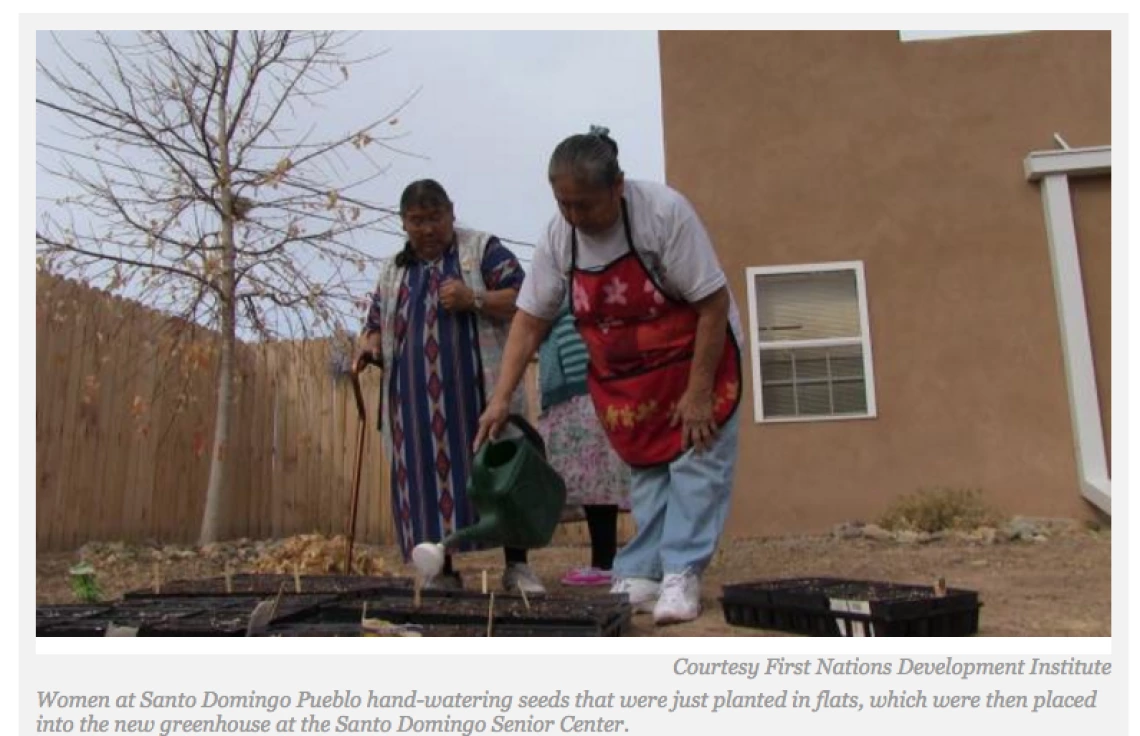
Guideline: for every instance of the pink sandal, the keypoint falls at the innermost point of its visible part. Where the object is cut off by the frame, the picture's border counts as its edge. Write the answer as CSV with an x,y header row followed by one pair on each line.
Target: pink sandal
x,y
587,577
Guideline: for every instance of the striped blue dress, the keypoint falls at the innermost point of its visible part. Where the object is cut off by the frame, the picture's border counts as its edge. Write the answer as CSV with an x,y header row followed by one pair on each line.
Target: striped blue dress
x,y
434,396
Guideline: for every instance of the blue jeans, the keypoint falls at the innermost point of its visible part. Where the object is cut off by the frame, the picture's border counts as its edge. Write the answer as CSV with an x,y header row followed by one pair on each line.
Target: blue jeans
x,y
680,508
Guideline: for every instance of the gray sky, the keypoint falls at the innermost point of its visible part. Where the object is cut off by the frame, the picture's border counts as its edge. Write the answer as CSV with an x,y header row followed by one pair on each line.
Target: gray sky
x,y
492,106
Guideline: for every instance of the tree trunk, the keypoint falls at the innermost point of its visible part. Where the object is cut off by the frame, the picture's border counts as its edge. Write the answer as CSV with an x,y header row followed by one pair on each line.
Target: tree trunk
x,y
216,490
227,288
219,462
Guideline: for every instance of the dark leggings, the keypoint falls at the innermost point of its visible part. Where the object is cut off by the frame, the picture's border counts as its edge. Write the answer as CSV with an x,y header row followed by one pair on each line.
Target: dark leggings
x,y
602,523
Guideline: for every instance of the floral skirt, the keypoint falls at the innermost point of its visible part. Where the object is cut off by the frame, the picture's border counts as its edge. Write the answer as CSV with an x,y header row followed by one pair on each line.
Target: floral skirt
x,y
577,447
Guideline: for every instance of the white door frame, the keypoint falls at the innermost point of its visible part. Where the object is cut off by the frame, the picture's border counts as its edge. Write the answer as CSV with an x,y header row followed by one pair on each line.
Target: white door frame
x,y
1053,169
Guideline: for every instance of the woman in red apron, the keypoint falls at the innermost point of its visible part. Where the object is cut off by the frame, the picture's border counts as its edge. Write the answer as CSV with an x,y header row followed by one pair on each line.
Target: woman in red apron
x,y
654,310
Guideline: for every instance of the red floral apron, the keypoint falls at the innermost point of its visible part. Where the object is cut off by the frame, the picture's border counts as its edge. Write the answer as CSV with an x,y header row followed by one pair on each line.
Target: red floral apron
x,y
641,345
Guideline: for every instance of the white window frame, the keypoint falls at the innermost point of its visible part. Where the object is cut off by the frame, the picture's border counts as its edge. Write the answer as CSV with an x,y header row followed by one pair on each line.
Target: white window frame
x,y
864,340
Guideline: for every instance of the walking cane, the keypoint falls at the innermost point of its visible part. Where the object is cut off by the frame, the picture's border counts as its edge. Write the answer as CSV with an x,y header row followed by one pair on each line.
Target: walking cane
x,y
354,377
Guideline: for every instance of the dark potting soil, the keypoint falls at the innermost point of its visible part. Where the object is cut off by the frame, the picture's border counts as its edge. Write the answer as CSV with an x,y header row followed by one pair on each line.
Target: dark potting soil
x,y
270,584
543,617
440,630
478,608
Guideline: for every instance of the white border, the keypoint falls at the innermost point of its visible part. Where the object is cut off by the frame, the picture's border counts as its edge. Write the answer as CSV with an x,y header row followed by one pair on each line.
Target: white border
x,y
865,339
1053,169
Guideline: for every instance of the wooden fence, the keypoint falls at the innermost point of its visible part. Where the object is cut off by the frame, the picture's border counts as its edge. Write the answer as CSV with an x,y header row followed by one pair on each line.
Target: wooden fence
x,y
124,428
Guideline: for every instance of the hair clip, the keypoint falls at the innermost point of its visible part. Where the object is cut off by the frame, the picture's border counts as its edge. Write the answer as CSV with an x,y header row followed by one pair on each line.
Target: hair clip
x,y
599,130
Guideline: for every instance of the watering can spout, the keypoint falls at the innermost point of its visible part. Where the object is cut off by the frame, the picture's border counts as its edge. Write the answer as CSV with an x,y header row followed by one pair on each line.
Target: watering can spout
x,y
428,557
487,529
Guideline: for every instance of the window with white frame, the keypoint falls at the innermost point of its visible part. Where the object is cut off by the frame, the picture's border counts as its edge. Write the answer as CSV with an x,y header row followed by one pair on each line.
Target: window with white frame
x,y
811,345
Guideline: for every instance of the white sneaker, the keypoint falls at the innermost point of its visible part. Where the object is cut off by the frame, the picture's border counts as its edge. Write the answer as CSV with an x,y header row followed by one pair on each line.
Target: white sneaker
x,y
642,592
519,576
680,599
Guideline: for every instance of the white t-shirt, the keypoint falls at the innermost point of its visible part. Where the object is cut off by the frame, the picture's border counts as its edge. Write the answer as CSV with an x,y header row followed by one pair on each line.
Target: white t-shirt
x,y
666,233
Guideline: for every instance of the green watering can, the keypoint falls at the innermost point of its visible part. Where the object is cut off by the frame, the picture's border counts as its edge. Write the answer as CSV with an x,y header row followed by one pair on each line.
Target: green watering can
x,y
517,494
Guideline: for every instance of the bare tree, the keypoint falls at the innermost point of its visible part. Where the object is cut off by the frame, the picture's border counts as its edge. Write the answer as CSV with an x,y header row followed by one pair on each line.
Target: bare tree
x,y
199,180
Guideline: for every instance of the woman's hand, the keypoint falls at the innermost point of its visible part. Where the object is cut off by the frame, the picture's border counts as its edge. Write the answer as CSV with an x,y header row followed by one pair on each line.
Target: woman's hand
x,y
456,296
694,412
492,421
369,353
365,358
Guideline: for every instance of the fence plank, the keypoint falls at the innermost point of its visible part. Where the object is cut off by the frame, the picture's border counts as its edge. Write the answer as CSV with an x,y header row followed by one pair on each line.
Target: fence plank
x,y
116,367
138,509
75,457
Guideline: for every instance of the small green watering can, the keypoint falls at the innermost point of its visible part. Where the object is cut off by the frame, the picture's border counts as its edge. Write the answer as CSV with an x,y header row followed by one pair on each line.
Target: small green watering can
x,y
517,494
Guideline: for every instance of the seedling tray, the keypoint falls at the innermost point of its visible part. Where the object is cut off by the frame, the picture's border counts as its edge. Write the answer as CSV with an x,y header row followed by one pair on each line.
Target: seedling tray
x,y
233,620
841,607
48,617
436,630
245,584
168,615
138,613
545,616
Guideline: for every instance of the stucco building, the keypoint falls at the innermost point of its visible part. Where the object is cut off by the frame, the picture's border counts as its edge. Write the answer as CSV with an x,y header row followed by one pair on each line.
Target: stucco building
x,y
923,268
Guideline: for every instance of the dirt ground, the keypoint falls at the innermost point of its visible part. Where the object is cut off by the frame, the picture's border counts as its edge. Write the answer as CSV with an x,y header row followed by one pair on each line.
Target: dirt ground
x,y
1055,585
